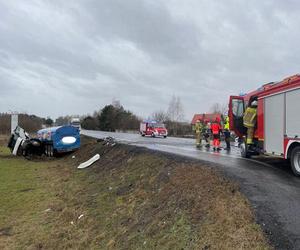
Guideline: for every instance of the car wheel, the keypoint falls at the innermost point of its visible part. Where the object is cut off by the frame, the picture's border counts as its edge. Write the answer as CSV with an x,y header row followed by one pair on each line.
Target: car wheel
x,y
153,135
165,136
295,161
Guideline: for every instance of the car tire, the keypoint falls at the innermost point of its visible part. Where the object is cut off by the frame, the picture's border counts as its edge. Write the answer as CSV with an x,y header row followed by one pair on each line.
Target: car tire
x,y
295,160
153,135
165,136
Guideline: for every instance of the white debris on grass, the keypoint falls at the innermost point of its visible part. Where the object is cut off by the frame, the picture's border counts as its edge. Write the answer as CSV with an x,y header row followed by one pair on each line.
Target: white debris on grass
x,y
89,162
80,216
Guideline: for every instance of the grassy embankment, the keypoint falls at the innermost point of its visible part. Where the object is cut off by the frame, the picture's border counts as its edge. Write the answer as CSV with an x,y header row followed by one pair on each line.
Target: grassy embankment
x,y
130,199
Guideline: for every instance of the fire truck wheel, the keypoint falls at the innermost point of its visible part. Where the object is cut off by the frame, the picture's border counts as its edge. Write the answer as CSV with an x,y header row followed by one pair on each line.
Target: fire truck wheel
x,y
244,150
295,160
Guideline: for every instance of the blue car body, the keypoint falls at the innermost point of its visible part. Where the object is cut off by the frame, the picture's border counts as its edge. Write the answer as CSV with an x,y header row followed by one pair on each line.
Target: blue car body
x,y
63,138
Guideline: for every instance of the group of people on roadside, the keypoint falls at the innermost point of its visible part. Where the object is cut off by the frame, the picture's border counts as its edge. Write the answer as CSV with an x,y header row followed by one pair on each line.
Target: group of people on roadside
x,y
207,131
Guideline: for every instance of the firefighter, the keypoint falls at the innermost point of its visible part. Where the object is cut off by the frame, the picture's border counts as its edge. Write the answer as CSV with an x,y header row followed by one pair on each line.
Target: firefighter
x,y
216,130
198,130
204,131
207,132
249,120
227,133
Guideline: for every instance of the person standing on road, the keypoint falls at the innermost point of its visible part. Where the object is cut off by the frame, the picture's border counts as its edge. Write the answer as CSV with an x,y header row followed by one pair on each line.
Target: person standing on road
x,y
249,120
227,133
216,131
207,133
198,130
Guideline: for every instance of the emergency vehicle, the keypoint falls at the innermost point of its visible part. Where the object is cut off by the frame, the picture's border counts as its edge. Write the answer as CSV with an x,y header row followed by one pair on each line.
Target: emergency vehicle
x,y
75,122
152,128
277,130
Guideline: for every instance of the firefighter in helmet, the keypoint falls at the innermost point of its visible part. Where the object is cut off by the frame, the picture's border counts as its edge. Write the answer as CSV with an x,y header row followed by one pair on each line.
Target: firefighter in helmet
x,y
198,130
216,130
249,120
227,133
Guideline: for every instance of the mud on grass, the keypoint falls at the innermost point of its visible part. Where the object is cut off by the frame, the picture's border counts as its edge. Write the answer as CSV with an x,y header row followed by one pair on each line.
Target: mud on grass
x,y
129,199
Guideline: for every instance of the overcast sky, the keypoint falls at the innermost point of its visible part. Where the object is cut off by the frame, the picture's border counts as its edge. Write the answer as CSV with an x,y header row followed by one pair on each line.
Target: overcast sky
x,y
73,57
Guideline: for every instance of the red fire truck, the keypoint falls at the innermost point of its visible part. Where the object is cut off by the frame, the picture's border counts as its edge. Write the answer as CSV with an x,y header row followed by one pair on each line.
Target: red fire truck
x,y
153,129
277,130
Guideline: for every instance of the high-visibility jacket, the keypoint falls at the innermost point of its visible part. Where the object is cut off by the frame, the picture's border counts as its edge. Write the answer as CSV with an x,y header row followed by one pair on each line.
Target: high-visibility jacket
x,y
226,125
198,127
250,117
216,128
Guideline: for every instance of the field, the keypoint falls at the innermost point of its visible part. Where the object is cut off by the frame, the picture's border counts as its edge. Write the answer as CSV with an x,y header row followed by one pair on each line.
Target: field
x,y
130,199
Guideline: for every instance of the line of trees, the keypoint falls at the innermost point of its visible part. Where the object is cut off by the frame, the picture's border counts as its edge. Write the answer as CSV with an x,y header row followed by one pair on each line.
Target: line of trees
x,y
114,117
111,118
30,123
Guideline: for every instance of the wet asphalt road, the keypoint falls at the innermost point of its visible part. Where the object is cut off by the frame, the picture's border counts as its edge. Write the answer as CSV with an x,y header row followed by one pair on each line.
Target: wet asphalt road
x,y
268,183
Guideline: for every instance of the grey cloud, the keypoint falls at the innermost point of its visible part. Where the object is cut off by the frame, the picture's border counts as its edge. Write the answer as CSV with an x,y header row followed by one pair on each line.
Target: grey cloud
x,y
74,57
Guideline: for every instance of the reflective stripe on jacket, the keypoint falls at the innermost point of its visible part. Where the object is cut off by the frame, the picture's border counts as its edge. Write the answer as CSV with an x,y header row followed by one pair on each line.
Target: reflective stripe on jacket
x,y
250,117
198,127
226,125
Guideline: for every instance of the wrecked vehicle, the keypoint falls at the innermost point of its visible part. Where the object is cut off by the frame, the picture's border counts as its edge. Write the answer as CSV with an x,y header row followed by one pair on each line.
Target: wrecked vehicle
x,y
20,143
49,141
59,139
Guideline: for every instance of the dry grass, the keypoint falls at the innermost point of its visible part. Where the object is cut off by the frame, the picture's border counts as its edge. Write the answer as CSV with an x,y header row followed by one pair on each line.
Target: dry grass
x,y
4,140
129,200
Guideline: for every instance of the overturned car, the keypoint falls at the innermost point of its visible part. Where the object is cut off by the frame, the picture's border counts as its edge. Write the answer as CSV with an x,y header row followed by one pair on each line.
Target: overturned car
x,y
49,141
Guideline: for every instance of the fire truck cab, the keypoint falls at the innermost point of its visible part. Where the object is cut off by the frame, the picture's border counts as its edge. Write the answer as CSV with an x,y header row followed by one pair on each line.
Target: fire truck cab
x,y
277,130
152,128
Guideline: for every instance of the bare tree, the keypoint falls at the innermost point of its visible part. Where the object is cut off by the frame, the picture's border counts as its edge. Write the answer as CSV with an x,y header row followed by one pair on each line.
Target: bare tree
x,y
218,108
160,116
175,114
175,110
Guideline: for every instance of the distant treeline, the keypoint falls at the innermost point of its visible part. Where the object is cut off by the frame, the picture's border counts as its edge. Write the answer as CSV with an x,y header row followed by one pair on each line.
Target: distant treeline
x,y
114,117
111,118
30,123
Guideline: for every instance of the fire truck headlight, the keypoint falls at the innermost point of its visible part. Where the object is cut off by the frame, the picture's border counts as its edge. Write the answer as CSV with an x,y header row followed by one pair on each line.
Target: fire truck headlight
x,y
68,140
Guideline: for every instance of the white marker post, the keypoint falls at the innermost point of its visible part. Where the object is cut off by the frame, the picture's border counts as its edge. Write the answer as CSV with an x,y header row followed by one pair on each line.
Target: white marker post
x,y
14,121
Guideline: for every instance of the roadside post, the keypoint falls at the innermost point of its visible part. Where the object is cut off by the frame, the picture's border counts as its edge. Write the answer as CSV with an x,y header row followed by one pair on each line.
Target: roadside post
x,y
14,121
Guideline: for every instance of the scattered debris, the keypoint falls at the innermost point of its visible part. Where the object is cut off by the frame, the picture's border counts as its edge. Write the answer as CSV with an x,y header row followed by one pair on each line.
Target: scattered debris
x,y
89,162
48,210
80,216
73,157
72,223
109,141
